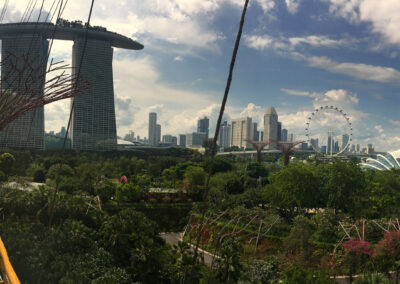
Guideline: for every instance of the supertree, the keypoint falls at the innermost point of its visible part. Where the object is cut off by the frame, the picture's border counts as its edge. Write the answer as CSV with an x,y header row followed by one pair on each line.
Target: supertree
x,y
286,148
24,86
259,146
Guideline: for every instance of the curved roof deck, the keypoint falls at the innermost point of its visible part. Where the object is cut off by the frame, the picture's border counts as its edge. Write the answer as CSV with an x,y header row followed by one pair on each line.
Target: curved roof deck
x,y
69,33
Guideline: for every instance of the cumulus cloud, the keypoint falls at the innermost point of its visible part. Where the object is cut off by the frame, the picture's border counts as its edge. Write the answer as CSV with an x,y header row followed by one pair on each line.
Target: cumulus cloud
x,y
357,70
299,93
383,16
292,5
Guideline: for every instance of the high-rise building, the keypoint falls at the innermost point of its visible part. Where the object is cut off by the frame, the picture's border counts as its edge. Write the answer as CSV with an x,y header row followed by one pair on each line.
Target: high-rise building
x,y
284,135
256,133
182,140
27,131
261,135
279,131
224,135
358,147
330,144
241,130
290,137
271,127
130,136
63,131
93,124
370,149
153,128
158,133
169,139
203,125
314,142
195,139
345,140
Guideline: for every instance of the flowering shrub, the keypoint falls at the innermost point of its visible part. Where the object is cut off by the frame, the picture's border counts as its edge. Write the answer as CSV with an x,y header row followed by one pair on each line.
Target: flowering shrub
x,y
357,247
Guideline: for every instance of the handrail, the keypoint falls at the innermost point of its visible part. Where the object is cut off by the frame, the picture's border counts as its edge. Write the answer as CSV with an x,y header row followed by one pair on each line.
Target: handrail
x,y
7,271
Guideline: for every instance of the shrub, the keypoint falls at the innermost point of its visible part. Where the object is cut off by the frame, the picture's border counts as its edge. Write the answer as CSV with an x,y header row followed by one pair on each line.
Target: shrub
x,y
299,275
39,175
3,176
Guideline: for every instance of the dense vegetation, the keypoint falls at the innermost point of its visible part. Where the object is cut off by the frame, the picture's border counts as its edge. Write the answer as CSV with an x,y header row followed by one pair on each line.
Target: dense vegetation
x,y
87,225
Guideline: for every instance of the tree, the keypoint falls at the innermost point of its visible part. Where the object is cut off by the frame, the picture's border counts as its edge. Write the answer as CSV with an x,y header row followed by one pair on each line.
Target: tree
x,y
6,163
342,186
60,170
291,189
230,182
253,172
196,176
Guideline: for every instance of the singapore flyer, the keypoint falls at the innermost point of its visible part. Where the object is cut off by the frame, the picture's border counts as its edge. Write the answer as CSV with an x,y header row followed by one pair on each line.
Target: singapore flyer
x,y
329,130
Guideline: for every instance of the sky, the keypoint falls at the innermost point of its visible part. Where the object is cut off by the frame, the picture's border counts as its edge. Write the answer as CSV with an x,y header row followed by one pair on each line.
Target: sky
x,y
295,55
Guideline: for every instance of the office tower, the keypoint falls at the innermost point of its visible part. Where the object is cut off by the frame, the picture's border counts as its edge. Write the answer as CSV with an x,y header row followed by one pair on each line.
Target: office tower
x,y
224,135
261,135
336,147
271,127
358,147
195,139
130,136
182,140
370,149
314,142
241,129
353,148
169,139
27,131
279,131
331,144
304,146
284,135
158,133
290,137
256,133
345,140
203,125
153,128
63,132
93,124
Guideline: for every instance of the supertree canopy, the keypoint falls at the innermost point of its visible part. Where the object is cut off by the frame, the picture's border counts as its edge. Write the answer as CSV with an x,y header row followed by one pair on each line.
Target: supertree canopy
x,y
259,146
287,148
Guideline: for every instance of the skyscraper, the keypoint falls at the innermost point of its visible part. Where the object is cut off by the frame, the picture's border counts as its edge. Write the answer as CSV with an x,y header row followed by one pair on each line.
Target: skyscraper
x,y
241,129
158,133
271,127
284,135
93,124
203,125
256,133
152,128
345,140
224,135
279,131
27,131
182,140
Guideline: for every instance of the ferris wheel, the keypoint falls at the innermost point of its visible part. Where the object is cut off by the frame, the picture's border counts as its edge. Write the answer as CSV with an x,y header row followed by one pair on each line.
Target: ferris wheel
x,y
329,130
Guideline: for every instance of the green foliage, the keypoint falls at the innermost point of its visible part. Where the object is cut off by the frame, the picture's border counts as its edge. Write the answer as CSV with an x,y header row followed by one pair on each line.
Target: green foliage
x,y
129,192
3,176
134,242
372,278
39,175
105,191
220,165
253,172
196,176
261,271
60,170
6,163
299,275
229,267
68,184
300,239
293,188
342,186
230,182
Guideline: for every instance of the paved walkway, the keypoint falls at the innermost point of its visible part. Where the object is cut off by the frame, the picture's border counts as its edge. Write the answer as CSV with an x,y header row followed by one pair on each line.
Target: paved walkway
x,y
174,238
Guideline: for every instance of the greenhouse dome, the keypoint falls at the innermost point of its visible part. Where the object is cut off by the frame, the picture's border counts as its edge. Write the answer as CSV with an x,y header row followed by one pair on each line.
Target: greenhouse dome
x,y
383,162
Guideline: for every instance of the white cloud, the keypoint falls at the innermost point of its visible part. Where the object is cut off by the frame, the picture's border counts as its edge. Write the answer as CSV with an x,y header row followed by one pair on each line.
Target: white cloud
x,y
292,5
357,70
255,112
266,5
395,122
299,93
383,16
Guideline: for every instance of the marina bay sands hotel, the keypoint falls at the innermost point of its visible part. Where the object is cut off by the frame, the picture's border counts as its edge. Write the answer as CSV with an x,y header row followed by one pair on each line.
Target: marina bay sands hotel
x,y
93,125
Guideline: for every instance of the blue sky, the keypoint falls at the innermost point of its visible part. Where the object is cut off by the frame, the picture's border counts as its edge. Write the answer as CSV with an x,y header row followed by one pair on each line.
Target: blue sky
x,y
295,55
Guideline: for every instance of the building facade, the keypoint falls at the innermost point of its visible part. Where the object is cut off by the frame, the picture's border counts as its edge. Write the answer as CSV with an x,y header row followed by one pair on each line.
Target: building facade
x,y
182,140
271,127
195,139
27,131
224,135
93,125
153,128
203,125
241,130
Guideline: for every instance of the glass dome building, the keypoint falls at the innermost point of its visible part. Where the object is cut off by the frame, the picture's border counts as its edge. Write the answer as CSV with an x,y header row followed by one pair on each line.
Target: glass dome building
x,y
383,162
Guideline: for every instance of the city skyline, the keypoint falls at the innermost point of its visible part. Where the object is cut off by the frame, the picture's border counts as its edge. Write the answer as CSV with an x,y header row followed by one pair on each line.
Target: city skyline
x,y
295,55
